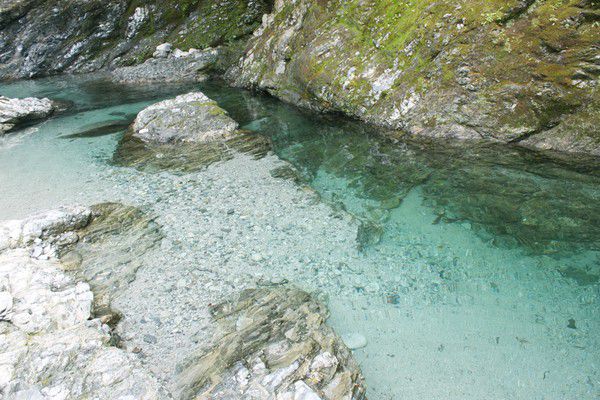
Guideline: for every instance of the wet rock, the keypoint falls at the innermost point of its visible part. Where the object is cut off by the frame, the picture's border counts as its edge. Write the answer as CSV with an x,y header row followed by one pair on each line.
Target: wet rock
x,y
192,117
146,156
466,74
273,343
19,112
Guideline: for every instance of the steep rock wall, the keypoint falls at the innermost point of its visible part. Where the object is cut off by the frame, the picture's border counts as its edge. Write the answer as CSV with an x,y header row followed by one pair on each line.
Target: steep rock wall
x,y
44,37
511,70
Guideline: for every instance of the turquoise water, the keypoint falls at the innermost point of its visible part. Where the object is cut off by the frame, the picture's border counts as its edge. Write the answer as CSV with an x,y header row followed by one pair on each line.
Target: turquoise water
x,y
477,266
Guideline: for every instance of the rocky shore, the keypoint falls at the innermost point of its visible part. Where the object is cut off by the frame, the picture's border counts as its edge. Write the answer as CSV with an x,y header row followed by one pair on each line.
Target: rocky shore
x,y
201,267
533,82
513,71
52,344
56,322
170,66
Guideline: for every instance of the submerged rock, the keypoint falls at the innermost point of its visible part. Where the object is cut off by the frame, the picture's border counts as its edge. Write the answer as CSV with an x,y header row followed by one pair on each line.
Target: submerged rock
x,y
18,112
354,340
191,117
272,343
133,152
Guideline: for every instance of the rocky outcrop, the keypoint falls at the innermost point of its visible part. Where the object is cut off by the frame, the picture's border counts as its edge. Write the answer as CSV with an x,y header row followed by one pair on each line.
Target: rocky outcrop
x,y
272,343
81,237
51,343
509,71
178,66
191,117
18,112
43,37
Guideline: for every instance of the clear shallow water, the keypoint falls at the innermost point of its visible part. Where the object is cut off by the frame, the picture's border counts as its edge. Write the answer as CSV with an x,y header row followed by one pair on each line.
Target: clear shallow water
x,y
473,259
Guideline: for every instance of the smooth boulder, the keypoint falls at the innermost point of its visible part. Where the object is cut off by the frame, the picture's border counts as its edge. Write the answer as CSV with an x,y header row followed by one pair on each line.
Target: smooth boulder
x,y
17,112
192,117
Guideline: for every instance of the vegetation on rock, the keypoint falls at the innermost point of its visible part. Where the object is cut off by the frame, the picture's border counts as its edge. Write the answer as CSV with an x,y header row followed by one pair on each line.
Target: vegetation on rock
x,y
502,70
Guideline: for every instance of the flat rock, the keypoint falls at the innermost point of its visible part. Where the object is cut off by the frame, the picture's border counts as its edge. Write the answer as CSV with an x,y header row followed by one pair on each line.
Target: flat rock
x,y
81,237
191,117
18,112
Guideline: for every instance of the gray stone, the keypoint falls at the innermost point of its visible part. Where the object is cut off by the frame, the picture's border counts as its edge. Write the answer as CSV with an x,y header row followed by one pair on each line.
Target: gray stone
x,y
170,69
150,339
44,38
354,340
163,50
191,117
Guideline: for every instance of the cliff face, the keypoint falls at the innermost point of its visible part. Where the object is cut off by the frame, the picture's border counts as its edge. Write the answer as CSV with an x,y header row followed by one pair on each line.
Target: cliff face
x,y
43,37
507,70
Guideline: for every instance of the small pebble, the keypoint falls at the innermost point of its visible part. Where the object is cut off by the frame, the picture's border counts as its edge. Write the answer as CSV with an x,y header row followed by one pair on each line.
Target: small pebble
x,y
150,339
354,340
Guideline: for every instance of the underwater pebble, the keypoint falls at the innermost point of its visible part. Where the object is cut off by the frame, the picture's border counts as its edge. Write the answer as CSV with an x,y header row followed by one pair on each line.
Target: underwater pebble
x,y
354,340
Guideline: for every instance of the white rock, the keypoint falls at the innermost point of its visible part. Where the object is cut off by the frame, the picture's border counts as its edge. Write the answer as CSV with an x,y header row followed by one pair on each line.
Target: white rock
x,y
304,392
163,50
14,112
6,304
323,360
191,117
180,53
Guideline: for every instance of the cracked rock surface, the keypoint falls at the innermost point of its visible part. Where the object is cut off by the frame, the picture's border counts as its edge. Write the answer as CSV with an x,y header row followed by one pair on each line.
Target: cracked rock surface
x,y
51,346
272,343
191,117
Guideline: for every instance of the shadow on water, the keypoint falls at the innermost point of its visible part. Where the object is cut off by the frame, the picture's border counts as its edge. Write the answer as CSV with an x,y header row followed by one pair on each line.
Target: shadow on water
x,y
102,128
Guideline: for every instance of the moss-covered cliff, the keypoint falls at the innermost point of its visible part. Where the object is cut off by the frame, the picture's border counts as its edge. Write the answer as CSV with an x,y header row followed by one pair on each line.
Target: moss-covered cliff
x,y
42,37
508,70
